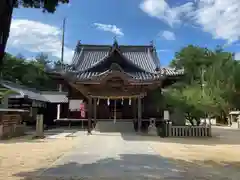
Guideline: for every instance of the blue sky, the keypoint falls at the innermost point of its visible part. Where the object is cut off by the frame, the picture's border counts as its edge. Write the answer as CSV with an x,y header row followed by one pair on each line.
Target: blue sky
x,y
172,24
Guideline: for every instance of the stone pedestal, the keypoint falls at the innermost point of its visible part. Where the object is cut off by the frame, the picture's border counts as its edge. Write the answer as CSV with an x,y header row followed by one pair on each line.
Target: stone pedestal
x,y
39,126
152,130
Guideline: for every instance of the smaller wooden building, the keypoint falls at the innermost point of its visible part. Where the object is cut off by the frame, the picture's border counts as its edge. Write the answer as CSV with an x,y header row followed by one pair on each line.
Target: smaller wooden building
x,y
35,102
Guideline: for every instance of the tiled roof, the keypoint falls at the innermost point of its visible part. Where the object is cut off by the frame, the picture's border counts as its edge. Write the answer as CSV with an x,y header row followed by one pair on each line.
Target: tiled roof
x,y
144,58
135,75
171,71
87,56
55,97
45,96
23,91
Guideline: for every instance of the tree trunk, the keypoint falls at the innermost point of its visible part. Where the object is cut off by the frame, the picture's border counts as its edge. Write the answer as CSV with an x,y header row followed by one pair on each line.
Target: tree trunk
x,y
6,9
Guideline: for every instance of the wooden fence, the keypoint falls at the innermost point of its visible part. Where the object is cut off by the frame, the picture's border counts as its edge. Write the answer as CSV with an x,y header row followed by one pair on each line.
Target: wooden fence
x,y
189,131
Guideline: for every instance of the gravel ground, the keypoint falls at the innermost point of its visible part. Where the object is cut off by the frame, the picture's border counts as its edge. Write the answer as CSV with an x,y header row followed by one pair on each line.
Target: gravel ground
x,y
215,158
25,154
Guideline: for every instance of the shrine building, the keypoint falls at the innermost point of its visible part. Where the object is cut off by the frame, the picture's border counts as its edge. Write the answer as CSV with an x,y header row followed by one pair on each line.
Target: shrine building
x,y
113,83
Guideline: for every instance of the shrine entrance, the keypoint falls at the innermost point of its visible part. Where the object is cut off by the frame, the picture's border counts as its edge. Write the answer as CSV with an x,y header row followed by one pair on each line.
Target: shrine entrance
x,y
120,117
116,107
117,113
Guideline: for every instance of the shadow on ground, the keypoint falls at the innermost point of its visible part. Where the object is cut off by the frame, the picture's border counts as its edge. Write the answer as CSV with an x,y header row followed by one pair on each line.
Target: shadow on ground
x,y
29,137
138,167
219,136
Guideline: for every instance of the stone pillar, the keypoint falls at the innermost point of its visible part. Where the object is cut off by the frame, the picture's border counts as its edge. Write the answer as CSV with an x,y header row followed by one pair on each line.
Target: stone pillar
x,y
139,113
89,114
39,126
59,106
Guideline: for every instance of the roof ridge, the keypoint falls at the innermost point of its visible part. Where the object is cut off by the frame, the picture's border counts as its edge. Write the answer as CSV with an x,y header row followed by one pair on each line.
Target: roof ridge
x,y
87,56
90,47
16,85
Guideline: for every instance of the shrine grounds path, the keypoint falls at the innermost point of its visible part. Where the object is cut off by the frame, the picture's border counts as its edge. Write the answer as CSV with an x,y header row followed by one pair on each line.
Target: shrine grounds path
x,y
131,156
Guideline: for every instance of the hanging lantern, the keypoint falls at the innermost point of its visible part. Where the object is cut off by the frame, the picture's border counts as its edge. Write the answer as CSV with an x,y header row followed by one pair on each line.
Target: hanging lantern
x,y
98,101
108,102
122,101
130,101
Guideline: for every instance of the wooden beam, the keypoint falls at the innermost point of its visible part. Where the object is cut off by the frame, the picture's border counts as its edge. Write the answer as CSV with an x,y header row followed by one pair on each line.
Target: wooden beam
x,y
89,114
80,88
139,114
117,96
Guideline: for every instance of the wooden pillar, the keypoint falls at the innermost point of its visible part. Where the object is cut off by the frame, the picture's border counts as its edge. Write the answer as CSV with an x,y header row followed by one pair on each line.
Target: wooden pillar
x,y
139,113
115,111
95,109
134,109
89,114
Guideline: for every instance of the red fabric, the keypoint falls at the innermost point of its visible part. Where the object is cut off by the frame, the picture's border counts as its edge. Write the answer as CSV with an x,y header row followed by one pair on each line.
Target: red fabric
x,y
82,110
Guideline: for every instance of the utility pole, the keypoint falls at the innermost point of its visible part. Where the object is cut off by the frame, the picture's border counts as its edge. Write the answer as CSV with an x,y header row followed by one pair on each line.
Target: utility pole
x,y
203,90
202,80
63,38
62,54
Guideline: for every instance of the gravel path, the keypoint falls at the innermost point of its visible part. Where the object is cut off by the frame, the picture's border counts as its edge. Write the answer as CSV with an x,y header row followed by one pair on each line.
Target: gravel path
x,y
111,156
124,156
23,157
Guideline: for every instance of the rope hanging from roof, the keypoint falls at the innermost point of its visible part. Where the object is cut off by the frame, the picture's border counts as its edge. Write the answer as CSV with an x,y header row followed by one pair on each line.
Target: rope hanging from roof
x,y
117,97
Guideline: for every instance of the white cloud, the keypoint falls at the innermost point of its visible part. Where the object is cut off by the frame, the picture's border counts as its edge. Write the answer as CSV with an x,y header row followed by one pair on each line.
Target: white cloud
x,y
37,37
220,18
237,56
161,10
109,28
168,35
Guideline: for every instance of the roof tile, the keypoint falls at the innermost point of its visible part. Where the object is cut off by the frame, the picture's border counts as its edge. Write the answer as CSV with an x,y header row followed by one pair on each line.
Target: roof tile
x,y
85,57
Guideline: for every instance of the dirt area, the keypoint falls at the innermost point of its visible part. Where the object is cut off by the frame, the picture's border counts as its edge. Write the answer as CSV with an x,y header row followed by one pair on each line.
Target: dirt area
x,y
219,154
212,158
25,154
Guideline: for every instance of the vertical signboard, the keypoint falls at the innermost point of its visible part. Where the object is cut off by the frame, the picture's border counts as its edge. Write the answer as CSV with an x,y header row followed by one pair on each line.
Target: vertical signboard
x,y
82,110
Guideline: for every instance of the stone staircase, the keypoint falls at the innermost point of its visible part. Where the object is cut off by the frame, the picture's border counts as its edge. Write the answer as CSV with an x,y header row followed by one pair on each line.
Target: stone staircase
x,y
110,126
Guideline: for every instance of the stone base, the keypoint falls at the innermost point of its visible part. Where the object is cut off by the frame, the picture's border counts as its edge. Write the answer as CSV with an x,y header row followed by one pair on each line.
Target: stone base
x,y
110,126
12,131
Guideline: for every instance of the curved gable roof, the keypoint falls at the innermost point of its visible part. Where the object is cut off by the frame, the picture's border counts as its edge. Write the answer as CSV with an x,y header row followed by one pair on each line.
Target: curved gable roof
x,y
88,56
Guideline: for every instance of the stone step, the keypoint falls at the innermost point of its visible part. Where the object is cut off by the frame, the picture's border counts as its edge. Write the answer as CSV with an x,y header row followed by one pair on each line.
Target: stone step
x,y
110,126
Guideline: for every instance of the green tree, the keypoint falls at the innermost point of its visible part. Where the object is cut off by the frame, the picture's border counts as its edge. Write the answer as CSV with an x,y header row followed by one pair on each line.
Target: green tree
x,y
6,10
211,83
30,73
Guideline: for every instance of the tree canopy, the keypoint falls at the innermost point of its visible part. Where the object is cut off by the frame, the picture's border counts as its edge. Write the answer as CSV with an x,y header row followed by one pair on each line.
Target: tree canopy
x,y
30,73
6,10
211,84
